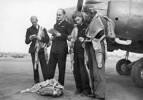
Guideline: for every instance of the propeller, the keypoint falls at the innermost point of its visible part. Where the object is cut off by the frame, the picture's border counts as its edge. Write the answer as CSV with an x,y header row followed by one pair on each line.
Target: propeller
x,y
79,5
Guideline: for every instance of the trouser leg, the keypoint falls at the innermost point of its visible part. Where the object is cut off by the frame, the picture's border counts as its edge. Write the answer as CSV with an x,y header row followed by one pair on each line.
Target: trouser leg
x,y
35,71
90,65
83,73
52,65
77,75
99,77
43,63
62,67
100,88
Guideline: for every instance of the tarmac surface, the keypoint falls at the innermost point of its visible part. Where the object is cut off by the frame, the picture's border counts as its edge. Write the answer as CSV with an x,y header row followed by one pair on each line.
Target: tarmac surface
x,y
16,74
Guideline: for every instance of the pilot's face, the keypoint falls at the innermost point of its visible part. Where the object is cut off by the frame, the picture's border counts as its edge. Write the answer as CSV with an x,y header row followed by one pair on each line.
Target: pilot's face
x,y
34,21
60,15
91,12
78,20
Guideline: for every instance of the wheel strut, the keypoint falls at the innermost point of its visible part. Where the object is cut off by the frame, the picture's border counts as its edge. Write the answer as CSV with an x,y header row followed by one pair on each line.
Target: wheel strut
x,y
127,55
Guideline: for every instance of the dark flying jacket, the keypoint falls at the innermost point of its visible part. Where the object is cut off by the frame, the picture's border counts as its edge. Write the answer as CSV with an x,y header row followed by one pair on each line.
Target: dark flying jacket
x,y
59,44
81,33
31,31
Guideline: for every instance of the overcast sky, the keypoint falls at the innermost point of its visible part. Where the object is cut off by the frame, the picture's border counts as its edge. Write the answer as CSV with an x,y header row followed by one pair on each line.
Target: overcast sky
x,y
14,20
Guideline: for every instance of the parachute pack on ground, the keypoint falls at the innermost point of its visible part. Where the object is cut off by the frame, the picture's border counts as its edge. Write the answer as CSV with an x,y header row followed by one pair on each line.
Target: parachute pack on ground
x,y
46,88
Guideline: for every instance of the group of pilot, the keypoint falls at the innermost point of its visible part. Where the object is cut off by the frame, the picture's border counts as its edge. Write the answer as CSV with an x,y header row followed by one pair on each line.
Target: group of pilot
x,y
88,71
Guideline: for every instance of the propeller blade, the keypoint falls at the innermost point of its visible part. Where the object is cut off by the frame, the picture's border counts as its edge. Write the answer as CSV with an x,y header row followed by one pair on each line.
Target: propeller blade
x,y
79,5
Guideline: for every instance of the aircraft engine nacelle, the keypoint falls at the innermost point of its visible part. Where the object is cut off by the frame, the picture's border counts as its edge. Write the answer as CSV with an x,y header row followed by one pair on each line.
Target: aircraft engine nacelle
x,y
128,18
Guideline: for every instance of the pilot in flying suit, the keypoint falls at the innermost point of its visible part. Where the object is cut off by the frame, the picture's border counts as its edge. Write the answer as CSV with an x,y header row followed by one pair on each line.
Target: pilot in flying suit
x,y
95,50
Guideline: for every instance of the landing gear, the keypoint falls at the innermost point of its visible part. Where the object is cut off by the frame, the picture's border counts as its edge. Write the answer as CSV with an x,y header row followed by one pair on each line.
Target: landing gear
x,y
122,66
125,67
137,73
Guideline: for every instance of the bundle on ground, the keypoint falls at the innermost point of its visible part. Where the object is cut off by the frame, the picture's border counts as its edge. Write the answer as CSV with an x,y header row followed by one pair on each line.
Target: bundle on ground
x,y
46,88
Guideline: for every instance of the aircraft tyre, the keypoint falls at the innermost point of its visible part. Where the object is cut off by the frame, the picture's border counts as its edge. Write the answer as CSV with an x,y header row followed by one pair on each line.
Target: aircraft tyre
x,y
122,68
137,74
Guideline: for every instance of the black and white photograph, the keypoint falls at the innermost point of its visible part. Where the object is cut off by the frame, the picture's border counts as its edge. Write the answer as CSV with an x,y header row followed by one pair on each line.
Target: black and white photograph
x,y
71,50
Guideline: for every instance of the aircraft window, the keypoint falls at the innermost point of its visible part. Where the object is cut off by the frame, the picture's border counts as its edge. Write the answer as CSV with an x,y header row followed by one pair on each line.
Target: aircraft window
x,y
116,18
